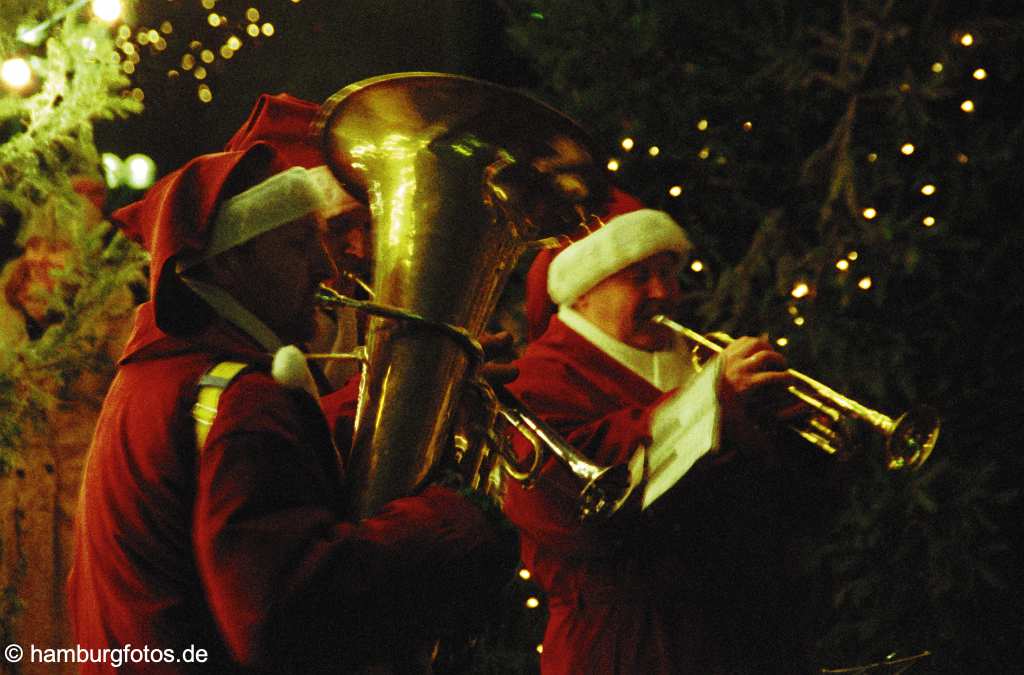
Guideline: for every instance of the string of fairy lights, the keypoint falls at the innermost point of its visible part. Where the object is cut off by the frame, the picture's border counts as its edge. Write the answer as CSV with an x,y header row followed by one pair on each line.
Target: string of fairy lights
x,y
134,43
802,289
196,59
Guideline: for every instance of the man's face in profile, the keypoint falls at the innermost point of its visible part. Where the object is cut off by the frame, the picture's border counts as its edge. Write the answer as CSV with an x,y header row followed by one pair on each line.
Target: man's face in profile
x,y
347,239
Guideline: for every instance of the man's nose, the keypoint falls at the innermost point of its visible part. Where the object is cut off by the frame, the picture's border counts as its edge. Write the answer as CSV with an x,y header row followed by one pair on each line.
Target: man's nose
x,y
658,287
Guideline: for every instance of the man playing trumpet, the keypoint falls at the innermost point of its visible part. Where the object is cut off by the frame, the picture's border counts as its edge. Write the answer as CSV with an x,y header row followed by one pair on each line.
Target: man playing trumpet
x,y
638,594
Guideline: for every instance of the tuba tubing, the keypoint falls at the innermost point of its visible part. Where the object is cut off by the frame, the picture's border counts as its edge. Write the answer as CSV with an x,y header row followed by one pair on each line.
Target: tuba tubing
x,y
604,488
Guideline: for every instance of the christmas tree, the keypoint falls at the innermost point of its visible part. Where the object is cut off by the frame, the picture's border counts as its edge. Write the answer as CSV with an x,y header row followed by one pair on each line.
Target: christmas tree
x,y
846,171
65,272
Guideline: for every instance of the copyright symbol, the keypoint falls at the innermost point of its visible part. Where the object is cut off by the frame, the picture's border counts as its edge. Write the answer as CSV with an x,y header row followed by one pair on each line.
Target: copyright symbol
x,y
14,653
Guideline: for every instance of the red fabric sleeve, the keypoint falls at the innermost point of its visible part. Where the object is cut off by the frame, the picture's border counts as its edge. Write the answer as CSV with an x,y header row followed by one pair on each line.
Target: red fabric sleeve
x,y
285,577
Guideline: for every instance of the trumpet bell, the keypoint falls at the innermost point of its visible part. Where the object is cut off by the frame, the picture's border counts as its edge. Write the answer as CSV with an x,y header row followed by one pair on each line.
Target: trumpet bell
x,y
913,438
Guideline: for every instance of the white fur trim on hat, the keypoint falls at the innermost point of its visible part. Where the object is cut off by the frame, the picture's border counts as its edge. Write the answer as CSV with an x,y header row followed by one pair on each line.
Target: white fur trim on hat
x,y
623,240
337,200
280,199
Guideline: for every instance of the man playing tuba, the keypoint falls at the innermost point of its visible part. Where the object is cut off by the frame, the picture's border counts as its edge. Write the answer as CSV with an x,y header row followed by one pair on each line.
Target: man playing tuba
x,y
211,512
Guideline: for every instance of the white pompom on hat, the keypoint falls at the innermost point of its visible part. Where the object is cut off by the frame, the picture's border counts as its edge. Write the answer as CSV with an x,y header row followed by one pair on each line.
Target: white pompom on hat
x,y
622,241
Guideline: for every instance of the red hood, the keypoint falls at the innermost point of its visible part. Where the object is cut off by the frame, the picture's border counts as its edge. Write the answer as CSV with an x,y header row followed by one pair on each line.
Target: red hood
x,y
175,218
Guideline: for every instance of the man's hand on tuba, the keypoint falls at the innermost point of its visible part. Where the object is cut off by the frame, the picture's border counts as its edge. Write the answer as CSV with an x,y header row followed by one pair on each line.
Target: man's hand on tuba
x,y
498,352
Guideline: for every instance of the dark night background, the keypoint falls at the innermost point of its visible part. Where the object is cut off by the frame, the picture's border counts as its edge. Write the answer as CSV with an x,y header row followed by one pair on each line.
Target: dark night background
x,y
318,47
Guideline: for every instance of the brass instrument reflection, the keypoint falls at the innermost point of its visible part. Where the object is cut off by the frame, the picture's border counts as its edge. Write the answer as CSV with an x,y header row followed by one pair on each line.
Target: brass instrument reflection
x,y
909,438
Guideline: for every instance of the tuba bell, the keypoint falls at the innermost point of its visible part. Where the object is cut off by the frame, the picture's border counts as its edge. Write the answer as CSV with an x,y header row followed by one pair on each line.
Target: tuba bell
x,y
461,177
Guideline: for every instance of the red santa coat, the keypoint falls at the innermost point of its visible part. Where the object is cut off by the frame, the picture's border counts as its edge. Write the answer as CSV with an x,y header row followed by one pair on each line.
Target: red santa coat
x,y
241,550
637,594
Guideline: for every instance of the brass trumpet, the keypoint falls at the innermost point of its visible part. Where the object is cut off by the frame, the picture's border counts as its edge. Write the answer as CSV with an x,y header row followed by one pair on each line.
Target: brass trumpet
x,y
909,438
482,453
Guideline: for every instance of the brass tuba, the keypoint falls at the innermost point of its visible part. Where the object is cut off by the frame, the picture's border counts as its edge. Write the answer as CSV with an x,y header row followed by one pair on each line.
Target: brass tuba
x,y
461,177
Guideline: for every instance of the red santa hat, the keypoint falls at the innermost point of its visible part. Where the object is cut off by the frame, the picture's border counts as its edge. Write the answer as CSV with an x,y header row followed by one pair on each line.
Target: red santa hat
x,y
211,204
622,241
285,123
630,233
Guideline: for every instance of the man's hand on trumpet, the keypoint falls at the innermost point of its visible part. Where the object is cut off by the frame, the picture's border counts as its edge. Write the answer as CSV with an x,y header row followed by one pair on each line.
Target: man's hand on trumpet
x,y
752,392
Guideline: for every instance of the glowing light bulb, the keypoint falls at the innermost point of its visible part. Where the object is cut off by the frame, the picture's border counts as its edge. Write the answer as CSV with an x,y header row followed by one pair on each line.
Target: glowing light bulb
x,y
234,43
166,28
793,310
967,106
252,14
704,153
204,93
967,39
252,29
936,67
613,165
864,284
140,170
702,125
107,10
928,190
209,4
627,144
540,648
872,157
532,603
782,341
842,265
962,158
907,149
697,266
16,73
524,574
928,221
800,290
799,321
267,29
675,190
213,20
852,255
869,213
979,74
207,56
111,164
748,126
654,151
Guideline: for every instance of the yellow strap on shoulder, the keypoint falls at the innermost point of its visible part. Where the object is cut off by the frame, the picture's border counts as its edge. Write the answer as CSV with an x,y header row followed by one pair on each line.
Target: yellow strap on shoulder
x,y
211,385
